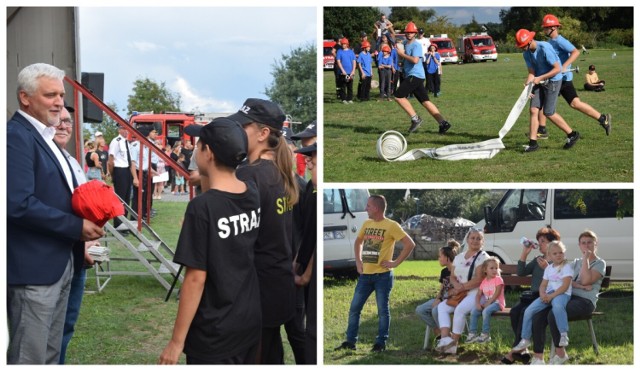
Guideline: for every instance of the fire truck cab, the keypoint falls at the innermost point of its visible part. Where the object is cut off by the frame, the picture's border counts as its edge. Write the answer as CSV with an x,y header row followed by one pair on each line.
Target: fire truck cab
x,y
169,125
446,48
327,54
477,47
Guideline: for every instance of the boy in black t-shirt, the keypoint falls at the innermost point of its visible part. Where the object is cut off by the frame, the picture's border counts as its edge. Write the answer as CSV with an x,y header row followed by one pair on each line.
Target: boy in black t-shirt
x,y
219,316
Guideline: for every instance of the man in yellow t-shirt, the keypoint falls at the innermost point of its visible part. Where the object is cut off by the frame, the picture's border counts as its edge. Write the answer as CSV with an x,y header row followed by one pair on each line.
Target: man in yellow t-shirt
x,y
374,261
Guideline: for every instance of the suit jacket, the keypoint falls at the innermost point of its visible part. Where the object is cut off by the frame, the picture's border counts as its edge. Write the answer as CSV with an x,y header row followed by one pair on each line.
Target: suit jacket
x,y
41,227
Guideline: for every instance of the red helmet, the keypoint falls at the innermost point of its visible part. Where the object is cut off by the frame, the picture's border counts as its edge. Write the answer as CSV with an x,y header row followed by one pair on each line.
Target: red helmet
x,y
550,20
386,48
365,44
411,28
524,37
344,41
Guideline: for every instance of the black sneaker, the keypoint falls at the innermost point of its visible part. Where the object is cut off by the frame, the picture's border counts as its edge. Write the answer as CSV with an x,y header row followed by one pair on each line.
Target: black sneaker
x,y
606,124
346,345
572,140
444,126
531,148
378,348
415,124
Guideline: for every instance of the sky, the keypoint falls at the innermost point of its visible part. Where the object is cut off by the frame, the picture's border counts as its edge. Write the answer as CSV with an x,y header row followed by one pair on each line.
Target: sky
x,y
460,15
213,57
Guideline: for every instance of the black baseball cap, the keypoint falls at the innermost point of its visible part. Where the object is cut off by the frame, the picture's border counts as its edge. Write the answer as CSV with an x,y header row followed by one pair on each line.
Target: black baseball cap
x,y
226,138
308,150
309,132
261,111
287,134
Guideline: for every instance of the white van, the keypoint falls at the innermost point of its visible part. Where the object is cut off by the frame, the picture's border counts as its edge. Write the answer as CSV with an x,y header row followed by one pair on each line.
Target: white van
x,y
522,212
344,213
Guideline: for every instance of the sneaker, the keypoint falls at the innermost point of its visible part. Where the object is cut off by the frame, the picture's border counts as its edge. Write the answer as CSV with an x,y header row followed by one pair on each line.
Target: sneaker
x,y
415,124
483,338
345,102
537,361
557,360
346,345
607,124
531,148
350,102
522,345
524,358
564,340
444,344
453,349
471,338
572,140
378,348
444,126
542,135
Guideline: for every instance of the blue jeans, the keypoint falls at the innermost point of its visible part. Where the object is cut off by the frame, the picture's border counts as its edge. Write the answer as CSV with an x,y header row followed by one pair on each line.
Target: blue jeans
x,y
381,283
558,307
73,309
428,313
486,317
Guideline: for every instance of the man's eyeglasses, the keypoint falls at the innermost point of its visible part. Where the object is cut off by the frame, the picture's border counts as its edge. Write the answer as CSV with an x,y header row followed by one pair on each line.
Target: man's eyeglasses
x,y
67,122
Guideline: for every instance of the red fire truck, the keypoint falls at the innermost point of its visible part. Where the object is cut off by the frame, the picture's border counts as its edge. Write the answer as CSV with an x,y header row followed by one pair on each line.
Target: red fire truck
x,y
446,48
327,54
477,47
169,125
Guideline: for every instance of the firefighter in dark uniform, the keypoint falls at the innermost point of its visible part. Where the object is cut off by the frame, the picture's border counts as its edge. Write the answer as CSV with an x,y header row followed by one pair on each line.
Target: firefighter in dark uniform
x,y
120,167
135,147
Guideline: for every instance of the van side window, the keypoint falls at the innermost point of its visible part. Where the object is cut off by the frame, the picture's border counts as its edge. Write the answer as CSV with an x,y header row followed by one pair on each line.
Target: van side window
x,y
597,204
522,205
332,202
356,199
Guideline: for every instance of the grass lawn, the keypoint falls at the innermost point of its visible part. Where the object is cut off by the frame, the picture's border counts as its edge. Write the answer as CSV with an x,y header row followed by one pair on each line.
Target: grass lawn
x,y
129,322
416,282
476,99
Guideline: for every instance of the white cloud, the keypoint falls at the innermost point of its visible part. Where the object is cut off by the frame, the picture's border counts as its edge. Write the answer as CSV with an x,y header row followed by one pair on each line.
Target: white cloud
x,y
144,46
192,100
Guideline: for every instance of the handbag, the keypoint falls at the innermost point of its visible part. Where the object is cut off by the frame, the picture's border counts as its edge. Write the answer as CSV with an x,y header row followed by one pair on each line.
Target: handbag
x,y
528,296
457,298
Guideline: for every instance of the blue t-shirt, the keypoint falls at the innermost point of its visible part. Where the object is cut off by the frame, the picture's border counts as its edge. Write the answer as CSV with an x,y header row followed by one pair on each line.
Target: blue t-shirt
x,y
414,49
542,59
432,66
347,58
394,58
364,58
382,60
563,48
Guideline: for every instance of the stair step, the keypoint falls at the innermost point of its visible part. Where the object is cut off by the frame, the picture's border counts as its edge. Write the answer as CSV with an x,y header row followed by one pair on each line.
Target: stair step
x,y
164,269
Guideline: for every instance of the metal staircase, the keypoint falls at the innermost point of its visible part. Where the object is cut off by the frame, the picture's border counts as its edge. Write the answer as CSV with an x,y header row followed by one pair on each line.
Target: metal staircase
x,y
144,246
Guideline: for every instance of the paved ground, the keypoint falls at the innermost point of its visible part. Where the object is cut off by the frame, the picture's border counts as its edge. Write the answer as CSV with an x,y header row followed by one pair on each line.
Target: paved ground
x,y
167,196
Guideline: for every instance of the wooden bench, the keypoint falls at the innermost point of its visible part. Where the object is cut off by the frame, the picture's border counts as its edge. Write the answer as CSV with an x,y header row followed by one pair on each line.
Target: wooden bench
x,y
510,278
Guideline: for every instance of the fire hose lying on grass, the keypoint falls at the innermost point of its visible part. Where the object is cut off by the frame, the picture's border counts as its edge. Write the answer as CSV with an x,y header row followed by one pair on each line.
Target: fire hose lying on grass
x,y
392,146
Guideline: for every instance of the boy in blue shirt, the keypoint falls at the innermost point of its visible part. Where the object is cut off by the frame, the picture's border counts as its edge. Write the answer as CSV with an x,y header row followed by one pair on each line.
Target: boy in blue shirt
x,y
413,82
346,61
543,65
364,65
567,54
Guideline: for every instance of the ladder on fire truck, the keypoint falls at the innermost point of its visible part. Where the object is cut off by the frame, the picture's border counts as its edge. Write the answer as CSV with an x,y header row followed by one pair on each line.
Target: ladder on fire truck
x,y
144,246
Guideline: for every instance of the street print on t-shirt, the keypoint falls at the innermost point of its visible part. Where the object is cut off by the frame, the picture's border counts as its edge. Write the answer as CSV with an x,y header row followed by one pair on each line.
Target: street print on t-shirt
x,y
373,238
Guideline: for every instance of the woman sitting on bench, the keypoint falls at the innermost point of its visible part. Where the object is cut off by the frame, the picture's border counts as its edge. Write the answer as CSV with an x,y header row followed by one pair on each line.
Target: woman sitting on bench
x,y
588,273
535,268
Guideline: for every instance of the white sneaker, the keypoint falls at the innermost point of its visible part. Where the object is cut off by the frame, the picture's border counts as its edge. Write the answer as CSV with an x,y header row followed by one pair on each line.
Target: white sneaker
x,y
557,360
483,338
453,349
444,343
537,361
522,345
471,338
564,340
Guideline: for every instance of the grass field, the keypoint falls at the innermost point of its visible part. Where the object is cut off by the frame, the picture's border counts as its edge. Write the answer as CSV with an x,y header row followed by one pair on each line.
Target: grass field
x,y
476,100
129,322
416,282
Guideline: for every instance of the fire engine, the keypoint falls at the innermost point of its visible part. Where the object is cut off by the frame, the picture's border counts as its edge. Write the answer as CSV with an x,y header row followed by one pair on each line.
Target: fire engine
x,y
477,47
327,56
446,48
170,125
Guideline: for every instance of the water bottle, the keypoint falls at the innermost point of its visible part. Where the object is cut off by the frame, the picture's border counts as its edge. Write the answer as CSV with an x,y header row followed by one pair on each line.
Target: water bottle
x,y
528,243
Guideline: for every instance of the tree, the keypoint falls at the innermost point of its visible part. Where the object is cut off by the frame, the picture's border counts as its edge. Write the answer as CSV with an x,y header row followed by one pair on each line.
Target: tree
x,y
294,83
349,21
108,127
149,95
400,16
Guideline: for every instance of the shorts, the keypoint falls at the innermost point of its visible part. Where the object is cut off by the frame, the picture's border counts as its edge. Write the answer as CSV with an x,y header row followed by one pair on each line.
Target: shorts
x,y
545,96
568,91
415,86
